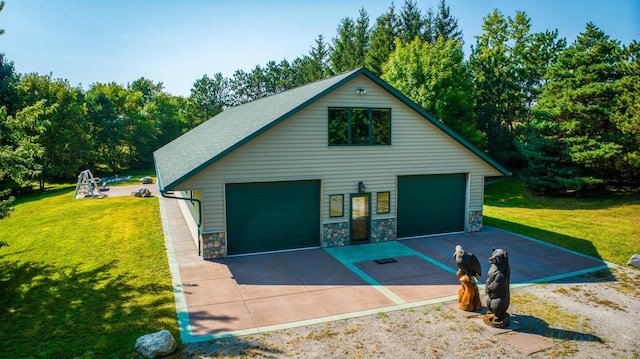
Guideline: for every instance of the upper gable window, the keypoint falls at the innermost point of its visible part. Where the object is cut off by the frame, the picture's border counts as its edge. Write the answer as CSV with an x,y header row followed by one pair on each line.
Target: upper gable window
x,y
359,126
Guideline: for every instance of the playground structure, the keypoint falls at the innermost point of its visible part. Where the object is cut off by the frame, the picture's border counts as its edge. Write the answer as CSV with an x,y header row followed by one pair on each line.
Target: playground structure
x,y
88,186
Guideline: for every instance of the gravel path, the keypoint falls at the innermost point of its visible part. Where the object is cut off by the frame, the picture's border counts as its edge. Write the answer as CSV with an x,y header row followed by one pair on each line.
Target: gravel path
x,y
592,316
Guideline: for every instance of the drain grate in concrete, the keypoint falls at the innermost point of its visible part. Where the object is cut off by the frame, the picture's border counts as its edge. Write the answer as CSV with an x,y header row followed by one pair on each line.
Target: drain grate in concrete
x,y
385,260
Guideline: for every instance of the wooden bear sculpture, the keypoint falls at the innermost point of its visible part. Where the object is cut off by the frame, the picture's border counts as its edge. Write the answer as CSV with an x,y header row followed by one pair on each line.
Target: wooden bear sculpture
x,y
497,289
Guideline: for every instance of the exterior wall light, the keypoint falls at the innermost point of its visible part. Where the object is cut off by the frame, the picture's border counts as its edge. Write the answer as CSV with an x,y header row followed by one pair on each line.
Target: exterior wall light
x,y
361,187
361,91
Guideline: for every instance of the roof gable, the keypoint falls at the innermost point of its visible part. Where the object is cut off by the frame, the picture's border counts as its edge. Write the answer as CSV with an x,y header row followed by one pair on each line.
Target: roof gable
x,y
207,143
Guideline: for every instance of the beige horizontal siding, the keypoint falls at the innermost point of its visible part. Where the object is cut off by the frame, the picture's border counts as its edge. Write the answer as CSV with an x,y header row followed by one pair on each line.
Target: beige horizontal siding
x,y
297,149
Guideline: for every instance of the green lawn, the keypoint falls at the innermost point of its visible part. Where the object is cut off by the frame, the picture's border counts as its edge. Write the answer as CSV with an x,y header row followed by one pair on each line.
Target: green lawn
x,y
605,226
82,278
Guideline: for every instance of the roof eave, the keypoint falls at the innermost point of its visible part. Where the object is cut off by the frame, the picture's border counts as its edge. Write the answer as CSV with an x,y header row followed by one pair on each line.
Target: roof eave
x,y
262,130
436,122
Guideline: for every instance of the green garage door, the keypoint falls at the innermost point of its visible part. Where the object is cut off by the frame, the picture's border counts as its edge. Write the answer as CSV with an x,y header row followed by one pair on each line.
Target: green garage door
x,y
431,204
269,216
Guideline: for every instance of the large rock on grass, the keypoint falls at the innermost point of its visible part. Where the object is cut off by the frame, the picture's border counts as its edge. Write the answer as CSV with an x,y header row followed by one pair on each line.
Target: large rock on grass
x,y
142,192
156,345
146,180
634,261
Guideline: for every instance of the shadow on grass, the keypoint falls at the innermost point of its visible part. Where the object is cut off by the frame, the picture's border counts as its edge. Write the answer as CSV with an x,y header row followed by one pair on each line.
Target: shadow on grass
x,y
37,195
575,244
62,311
533,325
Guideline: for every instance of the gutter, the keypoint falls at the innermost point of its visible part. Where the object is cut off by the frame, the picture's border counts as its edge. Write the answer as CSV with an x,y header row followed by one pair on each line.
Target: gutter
x,y
199,224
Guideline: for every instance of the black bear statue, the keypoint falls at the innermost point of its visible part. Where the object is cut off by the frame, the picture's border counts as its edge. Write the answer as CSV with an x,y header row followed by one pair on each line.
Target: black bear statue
x,y
497,289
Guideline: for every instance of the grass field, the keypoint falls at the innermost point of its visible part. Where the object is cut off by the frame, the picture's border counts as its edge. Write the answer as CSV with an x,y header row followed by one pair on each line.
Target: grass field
x,y
85,278
605,226
82,278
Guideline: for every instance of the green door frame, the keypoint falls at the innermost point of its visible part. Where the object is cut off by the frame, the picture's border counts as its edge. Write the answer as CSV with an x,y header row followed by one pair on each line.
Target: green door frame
x,y
360,227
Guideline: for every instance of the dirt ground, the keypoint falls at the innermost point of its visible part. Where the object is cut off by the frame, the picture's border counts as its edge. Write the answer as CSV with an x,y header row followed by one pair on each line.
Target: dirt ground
x,y
592,316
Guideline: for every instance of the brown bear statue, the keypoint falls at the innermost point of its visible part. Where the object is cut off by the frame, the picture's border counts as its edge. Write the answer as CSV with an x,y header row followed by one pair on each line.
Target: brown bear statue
x,y
497,289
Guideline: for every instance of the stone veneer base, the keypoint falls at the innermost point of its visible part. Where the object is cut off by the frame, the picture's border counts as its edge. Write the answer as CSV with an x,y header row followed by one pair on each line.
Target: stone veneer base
x,y
474,221
335,234
214,245
383,230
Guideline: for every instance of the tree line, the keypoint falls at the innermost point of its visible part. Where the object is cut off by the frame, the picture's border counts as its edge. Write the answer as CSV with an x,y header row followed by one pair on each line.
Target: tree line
x,y
566,116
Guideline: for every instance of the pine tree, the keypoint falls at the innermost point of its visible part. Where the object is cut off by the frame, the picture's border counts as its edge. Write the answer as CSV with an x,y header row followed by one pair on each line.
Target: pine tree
x,y
411,23
508,63
343,55
574,142
627,115
320,56
382,41
446,25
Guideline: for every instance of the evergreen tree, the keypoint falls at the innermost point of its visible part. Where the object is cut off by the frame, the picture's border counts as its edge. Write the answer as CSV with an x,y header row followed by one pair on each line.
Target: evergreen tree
x,y
508,63
627,115
410,22
429,33
382,41
446,25
343,55
362,37
498,103
351,43
574,142
208,97
319,56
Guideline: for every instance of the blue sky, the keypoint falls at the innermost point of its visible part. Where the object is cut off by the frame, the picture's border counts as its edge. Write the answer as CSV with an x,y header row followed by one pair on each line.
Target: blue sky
x,y
176,42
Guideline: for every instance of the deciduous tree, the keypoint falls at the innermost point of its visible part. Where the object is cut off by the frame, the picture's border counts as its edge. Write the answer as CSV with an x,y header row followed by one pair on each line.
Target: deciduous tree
x,y
65,136
436,78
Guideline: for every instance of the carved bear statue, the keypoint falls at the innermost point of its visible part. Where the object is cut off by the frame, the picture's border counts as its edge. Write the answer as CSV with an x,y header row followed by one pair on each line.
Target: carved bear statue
x,y
497,289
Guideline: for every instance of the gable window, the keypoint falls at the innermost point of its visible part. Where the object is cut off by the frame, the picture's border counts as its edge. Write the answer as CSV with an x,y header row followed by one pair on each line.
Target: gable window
x,y
359,126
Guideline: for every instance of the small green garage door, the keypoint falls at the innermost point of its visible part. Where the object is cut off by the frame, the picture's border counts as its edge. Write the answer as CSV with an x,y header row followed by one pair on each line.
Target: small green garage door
x,y
431,204
268,216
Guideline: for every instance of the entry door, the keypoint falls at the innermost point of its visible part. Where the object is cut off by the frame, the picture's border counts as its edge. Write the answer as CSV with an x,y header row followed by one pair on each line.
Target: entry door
x,y
360,218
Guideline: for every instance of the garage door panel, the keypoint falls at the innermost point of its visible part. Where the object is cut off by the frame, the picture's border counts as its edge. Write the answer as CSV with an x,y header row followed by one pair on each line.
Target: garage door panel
x,y
270,216
431,204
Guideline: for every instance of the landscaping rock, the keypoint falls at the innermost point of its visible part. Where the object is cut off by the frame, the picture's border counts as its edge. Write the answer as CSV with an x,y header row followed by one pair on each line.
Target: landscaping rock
x,y
142,192
146,180
156,345
634,260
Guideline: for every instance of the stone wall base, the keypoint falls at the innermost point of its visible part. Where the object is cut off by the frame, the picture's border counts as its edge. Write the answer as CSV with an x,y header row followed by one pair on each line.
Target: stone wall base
x,y
383,230
335,234
214,245
474,221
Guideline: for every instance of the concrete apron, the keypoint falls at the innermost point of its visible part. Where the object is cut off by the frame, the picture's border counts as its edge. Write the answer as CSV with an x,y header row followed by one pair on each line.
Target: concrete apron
x,y
252,294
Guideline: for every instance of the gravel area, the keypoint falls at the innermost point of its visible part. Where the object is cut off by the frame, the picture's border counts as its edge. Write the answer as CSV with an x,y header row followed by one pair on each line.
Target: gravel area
x,y
592,316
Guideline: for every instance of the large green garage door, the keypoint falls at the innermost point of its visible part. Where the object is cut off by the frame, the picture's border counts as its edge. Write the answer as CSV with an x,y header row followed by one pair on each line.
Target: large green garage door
x,y
431,204
269,216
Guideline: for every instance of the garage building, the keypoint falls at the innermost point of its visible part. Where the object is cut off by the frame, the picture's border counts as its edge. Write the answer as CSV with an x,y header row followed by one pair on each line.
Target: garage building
x,y
341,161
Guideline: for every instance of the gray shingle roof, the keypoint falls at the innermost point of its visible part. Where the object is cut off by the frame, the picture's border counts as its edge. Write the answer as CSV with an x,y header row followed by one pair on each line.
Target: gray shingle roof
x,y
197,149
203,145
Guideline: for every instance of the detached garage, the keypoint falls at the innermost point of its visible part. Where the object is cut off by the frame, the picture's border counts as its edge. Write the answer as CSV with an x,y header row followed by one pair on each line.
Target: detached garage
x,y
338,162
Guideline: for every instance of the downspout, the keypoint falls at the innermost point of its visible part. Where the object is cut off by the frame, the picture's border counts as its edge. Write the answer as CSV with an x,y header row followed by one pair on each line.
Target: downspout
x,y
199,224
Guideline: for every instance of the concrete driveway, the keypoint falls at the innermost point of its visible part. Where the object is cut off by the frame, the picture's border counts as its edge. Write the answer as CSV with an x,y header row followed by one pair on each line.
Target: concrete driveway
x,y
258,293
